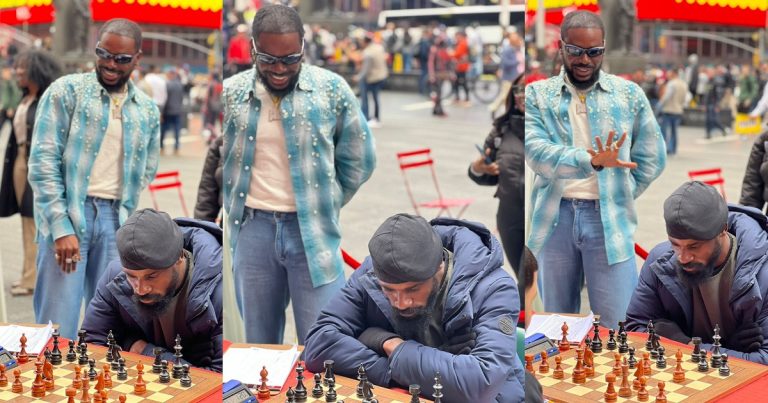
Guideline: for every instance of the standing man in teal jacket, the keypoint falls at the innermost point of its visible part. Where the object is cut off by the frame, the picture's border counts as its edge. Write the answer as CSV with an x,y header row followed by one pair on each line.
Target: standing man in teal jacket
x,y
595,146
96,148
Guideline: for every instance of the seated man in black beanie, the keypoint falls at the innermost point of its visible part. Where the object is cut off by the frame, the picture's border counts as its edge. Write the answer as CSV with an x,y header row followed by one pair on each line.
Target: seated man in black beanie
x,y
167,282
713,272
431,297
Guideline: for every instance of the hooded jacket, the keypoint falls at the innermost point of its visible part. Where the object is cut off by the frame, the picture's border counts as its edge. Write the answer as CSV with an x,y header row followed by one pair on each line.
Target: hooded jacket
x,y
481,296
661,295
113,309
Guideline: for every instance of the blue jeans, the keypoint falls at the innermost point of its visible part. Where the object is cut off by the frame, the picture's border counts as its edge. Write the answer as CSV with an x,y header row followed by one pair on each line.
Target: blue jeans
x,y
373,88
669,124
270,268
713,121
171,122
58,295
576,250
424,80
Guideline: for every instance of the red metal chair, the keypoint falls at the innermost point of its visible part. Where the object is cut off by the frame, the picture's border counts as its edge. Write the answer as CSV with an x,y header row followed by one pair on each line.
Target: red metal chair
x,y
639,251
167,180
713,177
422,158
349,260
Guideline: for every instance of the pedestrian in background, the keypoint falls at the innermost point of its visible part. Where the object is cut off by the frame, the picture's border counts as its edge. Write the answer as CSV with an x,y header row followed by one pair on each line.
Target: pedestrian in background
x,y
373,73
173,110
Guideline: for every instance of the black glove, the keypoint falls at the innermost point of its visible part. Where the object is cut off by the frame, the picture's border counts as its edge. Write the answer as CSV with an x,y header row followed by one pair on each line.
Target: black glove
x,y
746,339
667,328
460,344
374,338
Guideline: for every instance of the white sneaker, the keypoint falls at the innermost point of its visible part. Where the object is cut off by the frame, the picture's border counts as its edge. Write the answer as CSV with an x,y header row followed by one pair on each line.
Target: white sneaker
x,y
374,124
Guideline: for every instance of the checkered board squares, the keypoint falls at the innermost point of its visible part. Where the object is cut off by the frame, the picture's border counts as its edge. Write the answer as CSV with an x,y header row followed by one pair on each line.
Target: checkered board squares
x,y
346,390
204,383
697,387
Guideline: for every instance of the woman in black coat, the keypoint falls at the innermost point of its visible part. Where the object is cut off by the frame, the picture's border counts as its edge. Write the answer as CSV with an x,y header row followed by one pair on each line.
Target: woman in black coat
x,y
35,70
504,146
209,196
754,188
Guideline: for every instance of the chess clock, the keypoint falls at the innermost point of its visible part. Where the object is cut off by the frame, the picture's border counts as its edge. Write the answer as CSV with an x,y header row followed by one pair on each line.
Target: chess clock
x,y
236,392
7,359
536,343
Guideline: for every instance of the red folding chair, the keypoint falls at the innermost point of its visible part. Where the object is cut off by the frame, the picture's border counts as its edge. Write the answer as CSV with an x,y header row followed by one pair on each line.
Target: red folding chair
x,y
422,158
713,177
349,260
167,180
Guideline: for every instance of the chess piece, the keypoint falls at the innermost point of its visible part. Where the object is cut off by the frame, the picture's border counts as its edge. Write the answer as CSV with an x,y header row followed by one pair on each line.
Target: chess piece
x,y
623,346
625,390
17,387
328,365
77,383
529,363
589,362
56,353
300,390
438,389
291,395
579,374
642,393
22,357
186,381
651,333
157,365
544,366
679,376
139,388
661,397
263,389
71,393
362,378
121,398
558,373
716,355
317,391
597,344
92,369
647,371
115,357
3,378
696,349
81,336
610,393
622,329
165,377
330,396
661,360
38,386
611,345
617,364
122,374
368,393
71,354
564,345
99,385
632,361
83,358
414,391
107,376
724,370
48,375
703,366
110,341
638,374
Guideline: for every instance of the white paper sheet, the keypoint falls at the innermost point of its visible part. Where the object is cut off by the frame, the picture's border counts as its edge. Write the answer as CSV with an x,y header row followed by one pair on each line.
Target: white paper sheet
x,y
244,364
551,326
37,337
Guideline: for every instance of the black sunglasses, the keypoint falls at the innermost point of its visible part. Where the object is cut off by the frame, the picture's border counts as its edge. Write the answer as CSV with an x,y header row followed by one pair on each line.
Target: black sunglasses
x,y
518,90
119,59
269,59
575,51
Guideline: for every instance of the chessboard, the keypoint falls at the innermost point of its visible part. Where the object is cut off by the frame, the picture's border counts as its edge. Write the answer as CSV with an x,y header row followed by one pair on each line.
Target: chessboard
x,y
346,390
697,386
204,383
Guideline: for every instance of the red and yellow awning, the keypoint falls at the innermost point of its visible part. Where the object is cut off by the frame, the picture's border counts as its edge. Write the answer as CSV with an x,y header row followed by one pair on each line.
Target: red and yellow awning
x,y
744,13
17,12
556,9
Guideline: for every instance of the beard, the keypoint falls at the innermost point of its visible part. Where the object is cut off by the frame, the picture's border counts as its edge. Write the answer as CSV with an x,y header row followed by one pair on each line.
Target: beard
x,y
117,86
416,322
277,91
582,85
159,302
703,270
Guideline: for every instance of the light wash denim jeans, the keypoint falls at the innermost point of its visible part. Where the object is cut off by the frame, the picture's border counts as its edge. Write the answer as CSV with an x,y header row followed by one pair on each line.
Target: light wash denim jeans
x,y
58,295
669,124
575,251
270,268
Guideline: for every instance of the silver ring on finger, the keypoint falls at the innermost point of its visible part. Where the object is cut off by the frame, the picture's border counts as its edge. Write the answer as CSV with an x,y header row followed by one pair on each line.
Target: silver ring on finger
x,y
68,260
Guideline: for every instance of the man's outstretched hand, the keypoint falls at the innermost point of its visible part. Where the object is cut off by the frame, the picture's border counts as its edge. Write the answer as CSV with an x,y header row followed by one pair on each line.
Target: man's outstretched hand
x,y
608,156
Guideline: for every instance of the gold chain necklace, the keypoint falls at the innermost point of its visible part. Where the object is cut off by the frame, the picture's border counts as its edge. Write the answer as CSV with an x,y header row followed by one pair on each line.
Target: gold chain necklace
x,y
274,114
117,111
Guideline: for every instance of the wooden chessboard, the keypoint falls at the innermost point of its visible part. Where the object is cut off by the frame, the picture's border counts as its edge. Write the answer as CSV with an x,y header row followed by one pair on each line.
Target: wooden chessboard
x,y
698,386
204,383
346,390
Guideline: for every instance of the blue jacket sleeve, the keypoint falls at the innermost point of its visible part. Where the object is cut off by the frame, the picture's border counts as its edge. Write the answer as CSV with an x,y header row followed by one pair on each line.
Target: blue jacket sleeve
x,y
645,304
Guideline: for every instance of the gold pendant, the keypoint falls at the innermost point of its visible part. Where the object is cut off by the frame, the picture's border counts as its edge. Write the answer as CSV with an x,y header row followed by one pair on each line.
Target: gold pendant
x,y
117,112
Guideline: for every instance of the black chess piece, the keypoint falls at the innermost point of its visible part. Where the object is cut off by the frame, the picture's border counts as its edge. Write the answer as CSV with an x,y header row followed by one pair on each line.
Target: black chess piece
x,y
724,370
588,343
83,358
317,391
623,346
362,378
696,349
368,393
661,360
651,333
611,345
632,361
655,344
164,376
177,369
71,354
92,374
115,357
438,389
122,374
301,390
291,395
56,353
47,354
716,354
186,381
703,365
414,390
328,365
157,365
597,344
81,336
622,329
330,396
